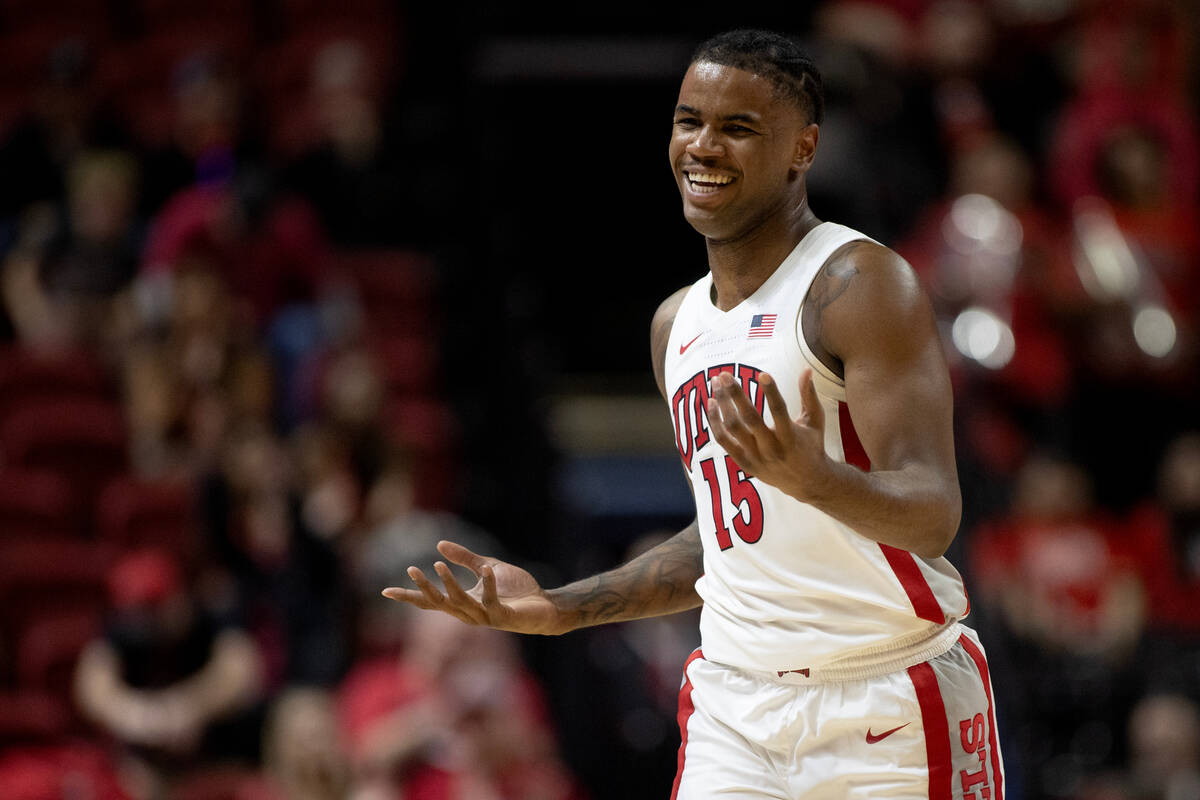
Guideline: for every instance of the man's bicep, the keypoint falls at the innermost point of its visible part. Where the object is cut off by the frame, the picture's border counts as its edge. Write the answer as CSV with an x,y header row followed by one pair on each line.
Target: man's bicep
x,y
902,410
897,384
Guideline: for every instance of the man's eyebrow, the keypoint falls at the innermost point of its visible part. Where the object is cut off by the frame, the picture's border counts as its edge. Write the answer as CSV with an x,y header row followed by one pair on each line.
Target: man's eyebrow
x,y
751,118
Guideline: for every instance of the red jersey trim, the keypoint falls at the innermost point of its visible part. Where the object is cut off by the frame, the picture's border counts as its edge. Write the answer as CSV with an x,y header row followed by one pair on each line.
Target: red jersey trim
x,y
904,565
686,708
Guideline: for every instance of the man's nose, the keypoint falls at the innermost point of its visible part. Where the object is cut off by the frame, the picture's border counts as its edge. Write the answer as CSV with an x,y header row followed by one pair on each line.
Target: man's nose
x,y
705,144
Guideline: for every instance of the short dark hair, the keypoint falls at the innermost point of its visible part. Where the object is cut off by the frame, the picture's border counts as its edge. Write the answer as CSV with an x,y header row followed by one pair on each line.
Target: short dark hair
x,y
776,57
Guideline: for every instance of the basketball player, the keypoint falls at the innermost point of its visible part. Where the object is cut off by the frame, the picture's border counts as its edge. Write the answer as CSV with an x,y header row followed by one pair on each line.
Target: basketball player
x,y
812,412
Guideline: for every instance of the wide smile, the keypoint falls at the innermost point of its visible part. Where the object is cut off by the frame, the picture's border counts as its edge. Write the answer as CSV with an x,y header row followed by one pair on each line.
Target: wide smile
x,y
707,183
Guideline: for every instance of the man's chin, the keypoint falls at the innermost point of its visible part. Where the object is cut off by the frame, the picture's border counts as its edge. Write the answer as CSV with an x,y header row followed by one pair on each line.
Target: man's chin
x,y
707,223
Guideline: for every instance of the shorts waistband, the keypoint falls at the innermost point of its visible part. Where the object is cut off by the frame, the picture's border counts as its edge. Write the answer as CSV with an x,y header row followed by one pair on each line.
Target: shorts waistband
x,y
863,668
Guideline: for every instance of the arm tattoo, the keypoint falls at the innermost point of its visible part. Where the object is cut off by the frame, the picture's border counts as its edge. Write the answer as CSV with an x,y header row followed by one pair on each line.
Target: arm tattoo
x,y
831,282
660,581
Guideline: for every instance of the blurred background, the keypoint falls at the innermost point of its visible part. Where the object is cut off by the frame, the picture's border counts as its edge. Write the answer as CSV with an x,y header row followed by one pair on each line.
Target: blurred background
x,y
290,290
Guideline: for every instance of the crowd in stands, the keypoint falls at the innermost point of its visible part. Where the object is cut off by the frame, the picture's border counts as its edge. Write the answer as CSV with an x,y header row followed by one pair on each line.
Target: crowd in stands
x,y
222,429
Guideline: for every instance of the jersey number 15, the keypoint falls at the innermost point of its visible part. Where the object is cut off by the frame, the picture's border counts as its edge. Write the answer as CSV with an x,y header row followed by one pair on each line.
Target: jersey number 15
x,y
748,521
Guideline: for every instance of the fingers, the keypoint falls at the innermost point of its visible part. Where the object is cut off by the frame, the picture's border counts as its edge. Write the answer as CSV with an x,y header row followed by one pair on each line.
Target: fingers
x,y
739,427
457,597
811,411
434,598
410,596
457,554
491,599
779,410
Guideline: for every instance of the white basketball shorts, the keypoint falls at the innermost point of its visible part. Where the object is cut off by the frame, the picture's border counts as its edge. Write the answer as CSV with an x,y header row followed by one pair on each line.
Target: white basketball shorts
x,y
920,732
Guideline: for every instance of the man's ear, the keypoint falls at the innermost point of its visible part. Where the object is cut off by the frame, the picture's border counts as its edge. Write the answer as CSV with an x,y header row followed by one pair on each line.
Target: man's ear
x,y
806,147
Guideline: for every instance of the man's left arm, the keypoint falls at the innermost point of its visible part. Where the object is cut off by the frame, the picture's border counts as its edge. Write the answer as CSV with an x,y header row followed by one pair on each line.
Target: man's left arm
x,y
877,321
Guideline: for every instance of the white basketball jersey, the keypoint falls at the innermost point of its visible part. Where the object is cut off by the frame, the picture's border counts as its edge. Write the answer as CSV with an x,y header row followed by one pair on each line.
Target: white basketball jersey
x,y
785,585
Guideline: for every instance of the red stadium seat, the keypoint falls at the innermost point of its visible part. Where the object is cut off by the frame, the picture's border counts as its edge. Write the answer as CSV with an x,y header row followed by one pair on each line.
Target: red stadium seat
x,y
218,783
160,14
51,576
397,289
287,67
430,430
25,50
76,769
83,440
29,378
302,14
36,504
407,364
132,513
50,646
30,717
86,15
291,124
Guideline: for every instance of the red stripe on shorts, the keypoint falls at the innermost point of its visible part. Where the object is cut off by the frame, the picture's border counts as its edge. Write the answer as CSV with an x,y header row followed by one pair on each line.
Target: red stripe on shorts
x,y
981,664
686,708
924,603
937,731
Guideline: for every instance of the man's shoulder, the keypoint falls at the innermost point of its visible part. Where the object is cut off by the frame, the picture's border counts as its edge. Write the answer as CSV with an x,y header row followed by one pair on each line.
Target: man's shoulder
x,y
660,333
863,286
868,272
668,308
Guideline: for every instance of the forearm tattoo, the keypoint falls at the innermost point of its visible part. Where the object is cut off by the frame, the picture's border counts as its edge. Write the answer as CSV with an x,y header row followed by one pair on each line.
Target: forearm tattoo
x,y
660,581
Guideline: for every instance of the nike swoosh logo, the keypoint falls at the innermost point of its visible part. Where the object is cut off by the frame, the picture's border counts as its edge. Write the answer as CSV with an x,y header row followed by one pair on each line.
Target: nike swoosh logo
x,y
872,738
683,347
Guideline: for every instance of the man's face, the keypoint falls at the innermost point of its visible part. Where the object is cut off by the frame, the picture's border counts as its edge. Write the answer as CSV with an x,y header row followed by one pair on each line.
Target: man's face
x,y
737,150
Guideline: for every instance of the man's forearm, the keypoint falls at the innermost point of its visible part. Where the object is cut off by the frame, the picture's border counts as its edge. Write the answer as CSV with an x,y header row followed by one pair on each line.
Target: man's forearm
x,y
906,508
660,581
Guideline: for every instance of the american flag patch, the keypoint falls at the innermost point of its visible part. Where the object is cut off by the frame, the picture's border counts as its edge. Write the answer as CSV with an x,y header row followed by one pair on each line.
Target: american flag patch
x,y
762,326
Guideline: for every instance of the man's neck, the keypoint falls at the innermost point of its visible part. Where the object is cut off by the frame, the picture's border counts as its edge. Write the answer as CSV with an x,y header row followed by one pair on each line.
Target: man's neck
x,y
739,266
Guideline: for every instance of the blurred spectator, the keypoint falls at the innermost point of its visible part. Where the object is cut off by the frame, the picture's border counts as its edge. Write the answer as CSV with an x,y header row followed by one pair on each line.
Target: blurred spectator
x,y
187,385
1164,735
66,119
329,484
303,758
59,281
209,140
357,177
1065,602
286,581
456,716
394,533
997,268
629,685
167,680
1165,537
880,127
989,245
270,253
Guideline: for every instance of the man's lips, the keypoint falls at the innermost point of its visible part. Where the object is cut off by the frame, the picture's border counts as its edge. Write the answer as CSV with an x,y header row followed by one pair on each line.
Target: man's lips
x,y
705,182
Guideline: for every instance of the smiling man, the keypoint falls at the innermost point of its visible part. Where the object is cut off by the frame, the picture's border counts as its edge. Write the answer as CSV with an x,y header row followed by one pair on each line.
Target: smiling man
x,y
812,412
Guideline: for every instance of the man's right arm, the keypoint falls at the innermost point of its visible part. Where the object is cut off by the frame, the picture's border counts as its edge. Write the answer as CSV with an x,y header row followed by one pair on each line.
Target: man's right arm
x,y
663,579
660,581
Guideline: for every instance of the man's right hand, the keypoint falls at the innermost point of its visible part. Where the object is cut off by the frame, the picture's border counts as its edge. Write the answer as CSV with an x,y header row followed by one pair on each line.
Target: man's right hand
x,y
505,597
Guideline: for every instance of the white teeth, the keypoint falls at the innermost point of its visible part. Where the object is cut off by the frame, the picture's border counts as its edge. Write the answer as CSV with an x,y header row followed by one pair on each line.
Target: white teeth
x,y
704,177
